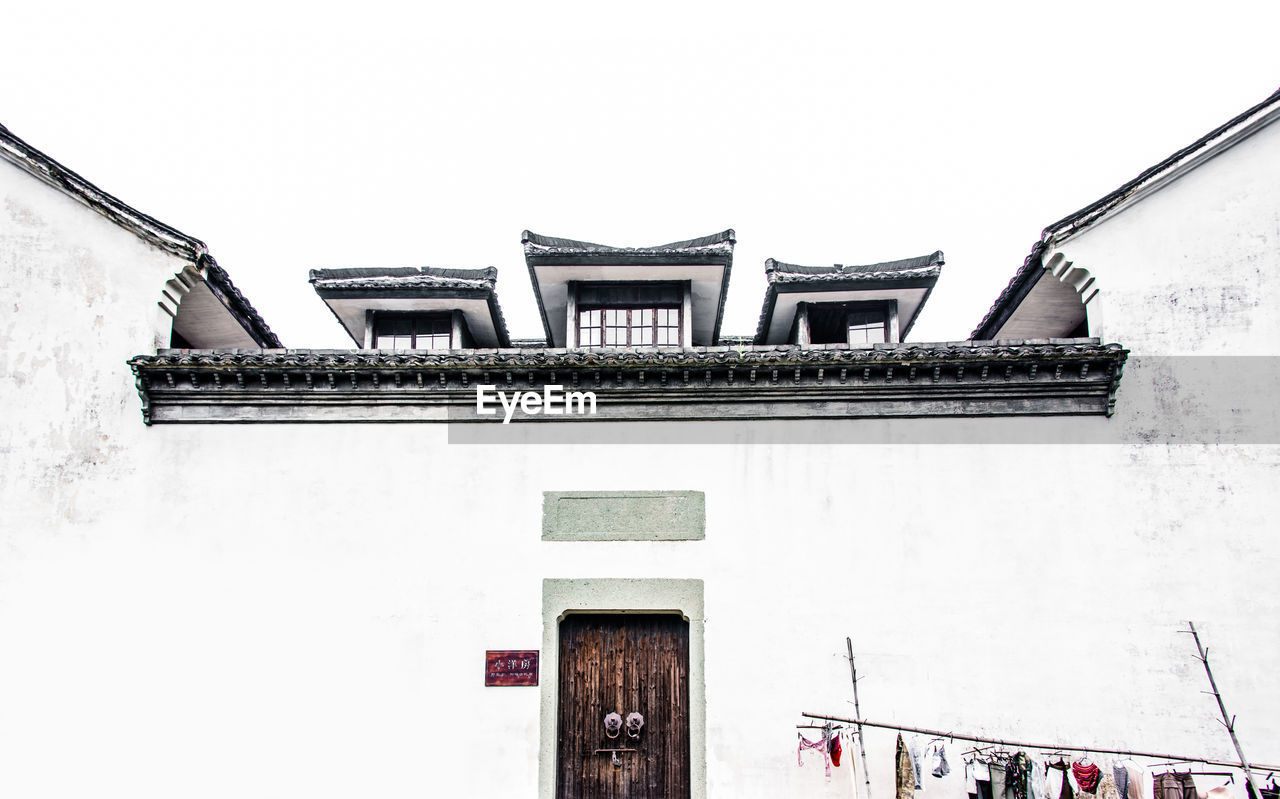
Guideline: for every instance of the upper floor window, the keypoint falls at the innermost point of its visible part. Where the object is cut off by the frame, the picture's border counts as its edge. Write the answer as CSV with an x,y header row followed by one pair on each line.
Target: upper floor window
x,y
629,327
648,314
851,323
431,331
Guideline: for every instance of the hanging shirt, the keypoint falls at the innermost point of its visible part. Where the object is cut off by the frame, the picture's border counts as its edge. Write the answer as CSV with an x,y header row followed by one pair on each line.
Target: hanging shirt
x,y
1036,780
1087,775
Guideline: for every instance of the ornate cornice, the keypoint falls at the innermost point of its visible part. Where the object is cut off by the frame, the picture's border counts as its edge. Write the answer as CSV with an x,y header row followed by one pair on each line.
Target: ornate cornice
x,y
1050,377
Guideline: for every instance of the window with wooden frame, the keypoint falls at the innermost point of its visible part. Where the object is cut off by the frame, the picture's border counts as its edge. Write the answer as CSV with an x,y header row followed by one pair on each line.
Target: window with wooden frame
x,y
853,323
629,327
412,331
629,315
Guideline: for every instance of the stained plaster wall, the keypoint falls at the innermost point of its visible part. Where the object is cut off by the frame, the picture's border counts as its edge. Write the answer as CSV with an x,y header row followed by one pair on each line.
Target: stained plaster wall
x,y
289,610
1191,269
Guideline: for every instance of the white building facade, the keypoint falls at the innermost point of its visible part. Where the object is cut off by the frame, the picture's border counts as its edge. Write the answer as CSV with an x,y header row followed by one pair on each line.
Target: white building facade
x,y
232,569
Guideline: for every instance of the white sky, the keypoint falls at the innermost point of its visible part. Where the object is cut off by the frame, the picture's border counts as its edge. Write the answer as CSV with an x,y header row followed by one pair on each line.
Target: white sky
x,y
289,139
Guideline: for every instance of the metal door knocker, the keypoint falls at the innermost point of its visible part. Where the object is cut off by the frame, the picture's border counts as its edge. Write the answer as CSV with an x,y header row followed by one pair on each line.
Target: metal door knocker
x,y
635,722
612,725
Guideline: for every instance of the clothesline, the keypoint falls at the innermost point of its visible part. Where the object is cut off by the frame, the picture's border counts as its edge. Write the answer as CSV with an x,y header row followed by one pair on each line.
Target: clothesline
x,y
1046,747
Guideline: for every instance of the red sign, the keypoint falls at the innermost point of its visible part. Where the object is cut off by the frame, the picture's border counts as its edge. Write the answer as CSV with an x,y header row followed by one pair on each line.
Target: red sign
x,y
511,667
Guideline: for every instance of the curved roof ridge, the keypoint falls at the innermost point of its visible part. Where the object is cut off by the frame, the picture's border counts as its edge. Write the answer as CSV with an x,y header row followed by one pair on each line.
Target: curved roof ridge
x,y
534,240
774,268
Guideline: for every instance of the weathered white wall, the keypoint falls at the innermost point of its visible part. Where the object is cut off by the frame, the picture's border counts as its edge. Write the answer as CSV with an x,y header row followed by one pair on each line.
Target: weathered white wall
x,y
303,610
1191,269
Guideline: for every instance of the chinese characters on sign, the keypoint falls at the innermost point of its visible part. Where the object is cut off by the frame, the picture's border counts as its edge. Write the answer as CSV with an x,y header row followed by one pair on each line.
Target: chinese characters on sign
x,y
511,667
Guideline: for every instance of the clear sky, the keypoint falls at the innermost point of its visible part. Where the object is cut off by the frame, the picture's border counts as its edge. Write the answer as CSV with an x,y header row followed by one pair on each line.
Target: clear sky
x,y
374,135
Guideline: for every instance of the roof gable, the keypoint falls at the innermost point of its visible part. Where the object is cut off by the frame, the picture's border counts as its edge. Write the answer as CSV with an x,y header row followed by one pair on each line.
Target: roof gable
x,y
151,230
1149,180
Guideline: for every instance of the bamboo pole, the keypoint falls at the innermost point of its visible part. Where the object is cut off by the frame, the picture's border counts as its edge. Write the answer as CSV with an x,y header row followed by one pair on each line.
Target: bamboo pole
x,y
857,710
1025,745
1227,721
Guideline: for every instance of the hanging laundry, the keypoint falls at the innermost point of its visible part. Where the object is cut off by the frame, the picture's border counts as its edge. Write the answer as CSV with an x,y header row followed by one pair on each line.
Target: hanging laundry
x,y
904,775
1139,781
1121,775
1172,785
917,760
1017,774
999,783
835,750
1037,782
1087,775
1060,779
940,766
805,743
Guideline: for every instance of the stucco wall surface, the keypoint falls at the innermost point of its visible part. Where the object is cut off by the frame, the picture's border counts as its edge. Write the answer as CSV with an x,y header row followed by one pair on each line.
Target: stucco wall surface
x,y
1191,269
303,610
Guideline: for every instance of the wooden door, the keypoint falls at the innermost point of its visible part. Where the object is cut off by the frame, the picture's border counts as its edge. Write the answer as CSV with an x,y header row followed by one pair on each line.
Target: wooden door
x,y
623,663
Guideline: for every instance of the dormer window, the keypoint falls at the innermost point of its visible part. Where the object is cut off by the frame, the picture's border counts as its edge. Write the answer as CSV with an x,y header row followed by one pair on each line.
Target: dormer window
x,y
401,331
594,296
415,308
855,306
853,323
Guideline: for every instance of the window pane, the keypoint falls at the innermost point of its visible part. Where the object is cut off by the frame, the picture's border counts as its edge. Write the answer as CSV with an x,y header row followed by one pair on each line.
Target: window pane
x,y
385,342
433,341
642,327
867,333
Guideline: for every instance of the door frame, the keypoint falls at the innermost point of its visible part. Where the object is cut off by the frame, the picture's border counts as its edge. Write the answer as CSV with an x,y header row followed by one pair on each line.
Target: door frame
x,y
604,596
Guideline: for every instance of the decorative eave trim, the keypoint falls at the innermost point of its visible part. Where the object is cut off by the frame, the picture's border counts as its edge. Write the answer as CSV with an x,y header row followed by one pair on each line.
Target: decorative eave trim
x,y
1215,141
1047,377
551,250
149,229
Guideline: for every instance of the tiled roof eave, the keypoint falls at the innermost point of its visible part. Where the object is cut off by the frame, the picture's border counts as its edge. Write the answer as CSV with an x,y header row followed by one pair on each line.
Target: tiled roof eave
x,y
393,283
921,273
1051,377
783,355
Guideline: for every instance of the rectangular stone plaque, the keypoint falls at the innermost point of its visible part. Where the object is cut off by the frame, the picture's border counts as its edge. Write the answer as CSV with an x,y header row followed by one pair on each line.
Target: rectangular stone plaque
x,y
623,515
511,667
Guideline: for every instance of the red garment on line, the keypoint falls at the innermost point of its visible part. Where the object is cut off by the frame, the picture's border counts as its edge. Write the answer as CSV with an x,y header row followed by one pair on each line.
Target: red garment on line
x,y
835,750
1087,776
